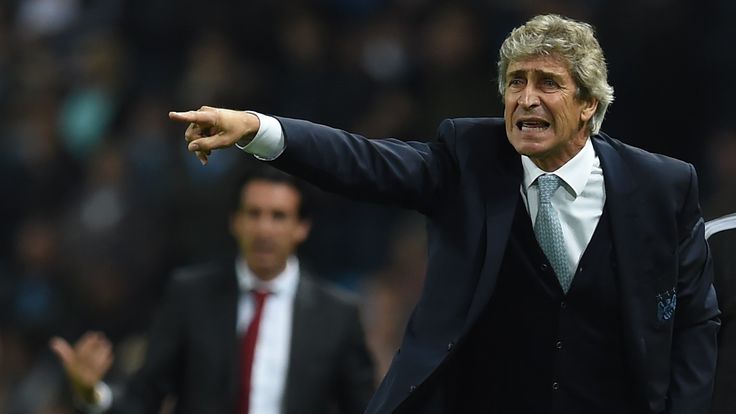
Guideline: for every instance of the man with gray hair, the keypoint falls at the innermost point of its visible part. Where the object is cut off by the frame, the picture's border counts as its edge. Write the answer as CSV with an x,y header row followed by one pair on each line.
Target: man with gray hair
x,y
568,272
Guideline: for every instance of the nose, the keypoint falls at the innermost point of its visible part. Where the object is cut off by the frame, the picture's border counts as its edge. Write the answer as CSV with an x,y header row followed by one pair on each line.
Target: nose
x,y
265,225
528,98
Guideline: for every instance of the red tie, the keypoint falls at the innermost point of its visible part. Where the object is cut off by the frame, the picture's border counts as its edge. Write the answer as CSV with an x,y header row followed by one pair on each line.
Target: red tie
x,y
248,349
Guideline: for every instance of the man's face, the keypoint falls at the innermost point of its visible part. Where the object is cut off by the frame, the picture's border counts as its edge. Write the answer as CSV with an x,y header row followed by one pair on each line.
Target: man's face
x,y
544,119
267,226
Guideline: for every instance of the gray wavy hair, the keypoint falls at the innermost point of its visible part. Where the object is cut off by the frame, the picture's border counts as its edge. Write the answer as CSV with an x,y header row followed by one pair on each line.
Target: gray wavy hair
x,y
570,40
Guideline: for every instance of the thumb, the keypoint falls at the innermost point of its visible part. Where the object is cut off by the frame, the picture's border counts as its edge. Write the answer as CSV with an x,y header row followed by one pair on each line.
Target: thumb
x,y
63,350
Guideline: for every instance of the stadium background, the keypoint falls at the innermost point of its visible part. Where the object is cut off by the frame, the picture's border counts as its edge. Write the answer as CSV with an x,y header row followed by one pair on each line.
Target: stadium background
x,y
100,199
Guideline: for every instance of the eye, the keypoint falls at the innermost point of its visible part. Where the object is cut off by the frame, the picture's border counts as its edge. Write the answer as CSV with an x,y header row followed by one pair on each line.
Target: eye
x,y
516,82
549,83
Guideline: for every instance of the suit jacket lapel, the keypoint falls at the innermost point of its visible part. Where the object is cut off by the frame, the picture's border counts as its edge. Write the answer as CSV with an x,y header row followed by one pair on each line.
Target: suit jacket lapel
x,y
629,241
500,186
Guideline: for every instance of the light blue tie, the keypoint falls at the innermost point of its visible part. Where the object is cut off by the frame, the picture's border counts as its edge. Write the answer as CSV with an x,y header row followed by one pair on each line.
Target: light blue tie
x,y
549,231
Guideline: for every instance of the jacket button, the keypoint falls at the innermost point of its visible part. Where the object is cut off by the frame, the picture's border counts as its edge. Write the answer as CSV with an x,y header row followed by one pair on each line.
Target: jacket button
x,y
558,345
555,386
412,388
450,346
544,267
563,305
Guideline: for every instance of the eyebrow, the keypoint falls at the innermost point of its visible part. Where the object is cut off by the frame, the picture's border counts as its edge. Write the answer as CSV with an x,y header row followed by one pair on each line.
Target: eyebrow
x,y
537,72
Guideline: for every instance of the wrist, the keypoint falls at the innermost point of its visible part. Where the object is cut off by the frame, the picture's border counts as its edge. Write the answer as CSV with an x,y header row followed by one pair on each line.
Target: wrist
x,y
86,393
251,126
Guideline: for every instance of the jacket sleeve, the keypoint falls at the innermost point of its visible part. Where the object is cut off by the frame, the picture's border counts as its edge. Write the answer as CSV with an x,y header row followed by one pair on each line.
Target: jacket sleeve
x,y
696,320
406,174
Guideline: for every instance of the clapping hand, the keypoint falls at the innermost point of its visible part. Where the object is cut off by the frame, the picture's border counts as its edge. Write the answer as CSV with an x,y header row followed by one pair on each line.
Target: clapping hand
x,y
86,363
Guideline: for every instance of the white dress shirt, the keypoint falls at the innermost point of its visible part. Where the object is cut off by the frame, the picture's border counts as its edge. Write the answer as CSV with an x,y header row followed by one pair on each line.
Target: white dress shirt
x,y
271,358
579,201
268,143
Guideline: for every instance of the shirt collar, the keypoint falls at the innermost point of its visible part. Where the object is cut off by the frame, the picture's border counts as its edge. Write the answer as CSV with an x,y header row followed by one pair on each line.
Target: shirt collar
x,y
284,283
574,173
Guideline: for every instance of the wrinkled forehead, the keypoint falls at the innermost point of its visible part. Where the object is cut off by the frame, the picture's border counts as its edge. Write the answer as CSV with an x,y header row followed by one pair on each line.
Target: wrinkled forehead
x,y
552,65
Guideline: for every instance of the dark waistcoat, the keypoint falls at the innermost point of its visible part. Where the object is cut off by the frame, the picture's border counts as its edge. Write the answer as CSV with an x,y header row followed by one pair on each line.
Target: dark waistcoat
x,y
538,350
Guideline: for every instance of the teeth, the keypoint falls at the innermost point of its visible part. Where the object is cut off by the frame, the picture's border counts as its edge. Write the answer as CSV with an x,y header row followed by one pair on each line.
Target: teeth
x,y
538,126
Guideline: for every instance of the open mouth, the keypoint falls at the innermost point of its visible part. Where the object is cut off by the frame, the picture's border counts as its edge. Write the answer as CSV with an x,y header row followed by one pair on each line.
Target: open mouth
x,y
532,125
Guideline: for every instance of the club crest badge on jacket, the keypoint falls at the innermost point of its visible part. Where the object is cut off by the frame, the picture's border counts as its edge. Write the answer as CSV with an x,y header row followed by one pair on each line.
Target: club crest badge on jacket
x,y
666,304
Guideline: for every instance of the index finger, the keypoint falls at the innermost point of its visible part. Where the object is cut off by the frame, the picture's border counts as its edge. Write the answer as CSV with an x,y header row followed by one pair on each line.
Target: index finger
x,y
197,117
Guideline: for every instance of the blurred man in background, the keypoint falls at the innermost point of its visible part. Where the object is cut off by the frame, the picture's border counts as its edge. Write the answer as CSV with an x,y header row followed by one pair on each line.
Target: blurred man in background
x,y
253,335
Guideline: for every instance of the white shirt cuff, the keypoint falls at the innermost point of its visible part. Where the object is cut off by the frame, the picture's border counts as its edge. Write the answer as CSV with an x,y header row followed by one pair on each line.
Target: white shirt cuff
x,y
103,403
268,143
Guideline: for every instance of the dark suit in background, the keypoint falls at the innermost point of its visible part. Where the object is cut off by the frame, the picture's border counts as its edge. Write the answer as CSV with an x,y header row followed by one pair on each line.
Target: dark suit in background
x,y
467,183
193,350
723,248
204,343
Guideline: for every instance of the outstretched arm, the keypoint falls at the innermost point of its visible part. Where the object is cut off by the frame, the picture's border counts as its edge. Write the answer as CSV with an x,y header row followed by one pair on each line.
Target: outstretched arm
x,y
389,171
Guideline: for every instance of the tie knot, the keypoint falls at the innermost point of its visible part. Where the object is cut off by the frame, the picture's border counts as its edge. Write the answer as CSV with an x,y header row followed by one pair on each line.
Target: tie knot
x,y
260,295
548,184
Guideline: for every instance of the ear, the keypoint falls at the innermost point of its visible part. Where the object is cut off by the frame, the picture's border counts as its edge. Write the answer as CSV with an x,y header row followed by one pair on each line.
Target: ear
x,y
302,230
588,110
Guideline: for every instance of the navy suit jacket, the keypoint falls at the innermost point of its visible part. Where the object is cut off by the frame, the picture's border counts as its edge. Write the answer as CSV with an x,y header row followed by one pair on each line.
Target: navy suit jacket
x,y
467,183
193,350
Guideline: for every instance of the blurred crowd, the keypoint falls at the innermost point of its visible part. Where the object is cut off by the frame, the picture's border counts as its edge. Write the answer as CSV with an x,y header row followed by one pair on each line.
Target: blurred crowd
x,y
101,200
